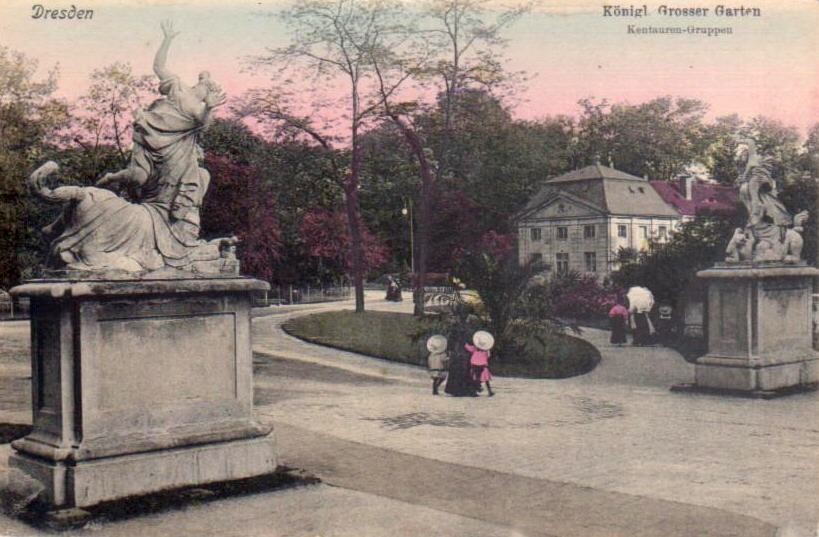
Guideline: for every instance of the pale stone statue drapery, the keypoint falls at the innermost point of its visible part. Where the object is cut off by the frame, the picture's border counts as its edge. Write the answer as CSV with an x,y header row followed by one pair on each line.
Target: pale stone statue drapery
x,y
100,231
771,233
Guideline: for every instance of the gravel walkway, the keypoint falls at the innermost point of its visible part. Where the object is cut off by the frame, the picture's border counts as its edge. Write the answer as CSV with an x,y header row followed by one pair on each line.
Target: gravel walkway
x,y
607,454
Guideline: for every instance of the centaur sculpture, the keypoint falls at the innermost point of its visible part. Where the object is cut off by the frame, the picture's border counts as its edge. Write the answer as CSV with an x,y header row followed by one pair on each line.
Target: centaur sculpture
x,y
158,228
771,233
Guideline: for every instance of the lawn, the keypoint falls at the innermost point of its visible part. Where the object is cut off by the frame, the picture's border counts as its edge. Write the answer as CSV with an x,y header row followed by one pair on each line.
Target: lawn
x,y
395,337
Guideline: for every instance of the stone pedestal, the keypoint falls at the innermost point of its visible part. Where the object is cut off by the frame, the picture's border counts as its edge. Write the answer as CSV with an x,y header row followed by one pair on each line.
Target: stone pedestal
x,y
759,330
139,386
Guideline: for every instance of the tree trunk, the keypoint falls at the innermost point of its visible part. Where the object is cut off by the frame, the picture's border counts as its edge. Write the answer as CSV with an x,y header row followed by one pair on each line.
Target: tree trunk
x,y
353,221
427,183
423,241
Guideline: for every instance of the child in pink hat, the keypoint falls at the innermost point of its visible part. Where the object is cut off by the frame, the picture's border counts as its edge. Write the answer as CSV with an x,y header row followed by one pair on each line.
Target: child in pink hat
x,y
479,361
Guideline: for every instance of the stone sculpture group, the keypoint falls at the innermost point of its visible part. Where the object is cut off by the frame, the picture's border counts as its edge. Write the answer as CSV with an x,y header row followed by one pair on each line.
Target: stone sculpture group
x,y
771,233
158,227
142,364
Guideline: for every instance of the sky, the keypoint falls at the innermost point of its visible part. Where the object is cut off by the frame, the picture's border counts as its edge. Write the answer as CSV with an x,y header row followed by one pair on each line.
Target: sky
x,y
768,66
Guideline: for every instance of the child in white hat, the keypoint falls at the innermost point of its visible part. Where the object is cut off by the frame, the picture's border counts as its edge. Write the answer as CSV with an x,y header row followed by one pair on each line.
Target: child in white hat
x,y
437,361
479,361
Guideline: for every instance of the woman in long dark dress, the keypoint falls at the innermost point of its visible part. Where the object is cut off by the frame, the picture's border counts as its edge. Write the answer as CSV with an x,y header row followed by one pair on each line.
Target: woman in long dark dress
x,y
459,381
641,302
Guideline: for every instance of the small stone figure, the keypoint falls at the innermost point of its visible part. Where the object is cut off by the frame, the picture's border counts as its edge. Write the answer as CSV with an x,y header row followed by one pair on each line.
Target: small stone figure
x,y
437,361
227,251
479,361
741,246
793,239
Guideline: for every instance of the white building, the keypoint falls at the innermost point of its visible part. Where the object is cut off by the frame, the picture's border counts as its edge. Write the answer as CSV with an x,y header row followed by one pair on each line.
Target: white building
x,y
578,221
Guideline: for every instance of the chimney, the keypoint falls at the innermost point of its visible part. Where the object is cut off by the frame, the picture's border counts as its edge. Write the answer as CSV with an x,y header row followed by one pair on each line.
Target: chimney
x,y
687,186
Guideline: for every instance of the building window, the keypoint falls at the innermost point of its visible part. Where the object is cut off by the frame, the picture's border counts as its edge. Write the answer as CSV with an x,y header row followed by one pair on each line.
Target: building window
x,y
536,234
591,261
663,232
562,233
535,259
588,231
643,232
562,263
622,231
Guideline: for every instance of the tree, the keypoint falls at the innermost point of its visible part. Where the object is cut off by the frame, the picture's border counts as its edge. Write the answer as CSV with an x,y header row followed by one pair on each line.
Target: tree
x,y
512,305
104,115
320,234
333,39
810,161
720,155
669,268
29,118
773,138
658,138
457,52
239,203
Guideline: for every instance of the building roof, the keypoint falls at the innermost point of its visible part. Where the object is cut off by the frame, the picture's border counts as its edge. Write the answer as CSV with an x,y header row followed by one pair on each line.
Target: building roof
x,y
706,198
615,192
595,171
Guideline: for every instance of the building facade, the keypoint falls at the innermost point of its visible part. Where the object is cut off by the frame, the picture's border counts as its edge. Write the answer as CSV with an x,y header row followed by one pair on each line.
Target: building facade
x,y
579,221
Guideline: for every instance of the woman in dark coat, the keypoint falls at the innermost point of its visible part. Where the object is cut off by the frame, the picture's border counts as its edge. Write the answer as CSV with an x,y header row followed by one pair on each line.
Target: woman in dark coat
x,y
641,302
459,381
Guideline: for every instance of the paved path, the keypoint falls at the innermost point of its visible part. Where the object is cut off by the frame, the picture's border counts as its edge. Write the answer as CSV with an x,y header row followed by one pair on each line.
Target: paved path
x,y
607,454
532,507
618,429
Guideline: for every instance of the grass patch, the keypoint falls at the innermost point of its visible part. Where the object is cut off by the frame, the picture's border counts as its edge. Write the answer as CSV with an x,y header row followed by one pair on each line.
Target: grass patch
x,y
374,333
393,336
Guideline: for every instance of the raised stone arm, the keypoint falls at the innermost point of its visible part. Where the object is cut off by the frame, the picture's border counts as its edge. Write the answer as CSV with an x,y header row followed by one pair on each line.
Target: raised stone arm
x,y
161,58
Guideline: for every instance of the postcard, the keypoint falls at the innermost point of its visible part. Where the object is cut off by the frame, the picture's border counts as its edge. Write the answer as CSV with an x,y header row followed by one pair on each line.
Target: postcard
x,y
409,267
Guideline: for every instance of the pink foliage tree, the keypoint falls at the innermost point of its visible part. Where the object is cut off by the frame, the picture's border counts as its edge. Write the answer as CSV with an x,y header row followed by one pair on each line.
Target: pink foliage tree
x,y
238,202
326,236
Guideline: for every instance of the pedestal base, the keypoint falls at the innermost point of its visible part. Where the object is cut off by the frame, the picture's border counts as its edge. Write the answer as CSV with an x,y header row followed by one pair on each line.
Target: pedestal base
x,y
88,483
139,386
759,331
713,372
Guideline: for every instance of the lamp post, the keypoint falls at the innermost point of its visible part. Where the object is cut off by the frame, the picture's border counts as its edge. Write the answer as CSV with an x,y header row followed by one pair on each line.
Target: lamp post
x,y
407,211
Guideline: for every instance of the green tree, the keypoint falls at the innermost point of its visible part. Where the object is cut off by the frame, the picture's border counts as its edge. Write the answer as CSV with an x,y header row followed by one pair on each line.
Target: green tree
x,y
775,139
720,155
333,40
658,138
103,116
29,118
669,268
452,49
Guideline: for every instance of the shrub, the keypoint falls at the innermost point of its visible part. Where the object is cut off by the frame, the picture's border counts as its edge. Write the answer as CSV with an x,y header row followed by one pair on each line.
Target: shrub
x,y
580,296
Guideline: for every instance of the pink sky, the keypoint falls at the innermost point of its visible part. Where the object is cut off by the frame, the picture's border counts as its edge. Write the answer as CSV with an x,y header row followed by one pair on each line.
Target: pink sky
x,y
769,66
